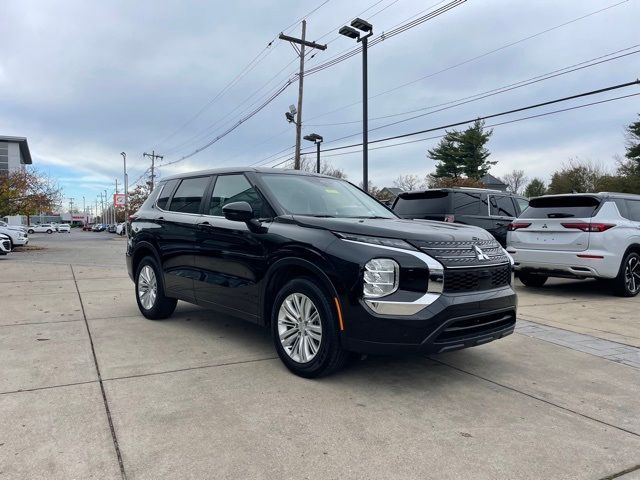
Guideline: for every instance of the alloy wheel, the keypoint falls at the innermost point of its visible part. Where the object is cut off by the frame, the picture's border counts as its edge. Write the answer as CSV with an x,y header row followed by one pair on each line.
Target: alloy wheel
x,y
147,287
299,328
632,274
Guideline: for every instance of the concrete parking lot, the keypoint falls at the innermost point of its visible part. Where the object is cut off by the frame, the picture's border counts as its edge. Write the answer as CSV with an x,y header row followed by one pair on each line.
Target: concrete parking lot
x,y
91,389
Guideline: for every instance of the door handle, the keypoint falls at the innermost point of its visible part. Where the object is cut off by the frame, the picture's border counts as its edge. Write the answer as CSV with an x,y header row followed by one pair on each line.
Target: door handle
x,y
204,224
160,218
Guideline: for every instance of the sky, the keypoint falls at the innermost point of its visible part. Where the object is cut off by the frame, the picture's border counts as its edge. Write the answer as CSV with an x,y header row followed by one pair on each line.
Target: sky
x,y
84,81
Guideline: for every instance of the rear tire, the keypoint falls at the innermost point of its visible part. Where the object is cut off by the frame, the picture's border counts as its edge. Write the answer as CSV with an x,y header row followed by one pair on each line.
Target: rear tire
x,y
49,232
305,330
530,280
627,283
152,301
30,230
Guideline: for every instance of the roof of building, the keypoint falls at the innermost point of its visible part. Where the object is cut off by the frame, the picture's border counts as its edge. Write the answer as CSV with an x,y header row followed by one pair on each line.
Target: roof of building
x,y
489,179
24,147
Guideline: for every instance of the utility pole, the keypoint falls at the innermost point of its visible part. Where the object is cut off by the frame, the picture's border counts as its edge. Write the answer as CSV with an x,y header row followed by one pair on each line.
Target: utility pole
x,y
303,43
71,206
153,157
126,195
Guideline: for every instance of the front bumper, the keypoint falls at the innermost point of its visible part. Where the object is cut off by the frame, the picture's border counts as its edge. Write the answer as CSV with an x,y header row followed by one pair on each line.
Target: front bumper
x,y
581,264
452,322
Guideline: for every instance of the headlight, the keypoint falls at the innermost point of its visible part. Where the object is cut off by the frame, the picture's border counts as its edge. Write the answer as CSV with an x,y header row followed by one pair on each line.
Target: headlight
x,y
387,242
380,277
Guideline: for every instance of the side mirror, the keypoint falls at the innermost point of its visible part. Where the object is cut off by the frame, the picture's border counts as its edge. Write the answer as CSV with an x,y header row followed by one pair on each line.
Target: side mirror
x,y
238,211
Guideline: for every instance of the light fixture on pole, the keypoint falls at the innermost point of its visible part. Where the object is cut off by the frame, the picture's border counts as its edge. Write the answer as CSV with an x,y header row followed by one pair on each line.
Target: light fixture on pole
x,y
126,195
350,32
317,139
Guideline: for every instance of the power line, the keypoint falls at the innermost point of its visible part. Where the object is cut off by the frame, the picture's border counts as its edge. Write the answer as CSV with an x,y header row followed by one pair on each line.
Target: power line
x,y
485,117
280,90
477,57
478,96
490,93
234,81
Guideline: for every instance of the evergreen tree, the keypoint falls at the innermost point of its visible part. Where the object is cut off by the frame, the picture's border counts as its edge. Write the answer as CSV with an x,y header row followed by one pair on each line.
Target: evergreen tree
x,y
536,188
448,156
474,154
463,153
633,142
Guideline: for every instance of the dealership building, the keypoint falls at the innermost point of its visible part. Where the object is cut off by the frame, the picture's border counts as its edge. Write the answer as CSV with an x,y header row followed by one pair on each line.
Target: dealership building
x,y
14,155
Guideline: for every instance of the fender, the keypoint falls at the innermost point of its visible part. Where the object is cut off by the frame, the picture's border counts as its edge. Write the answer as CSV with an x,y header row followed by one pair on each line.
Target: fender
x,y
288,262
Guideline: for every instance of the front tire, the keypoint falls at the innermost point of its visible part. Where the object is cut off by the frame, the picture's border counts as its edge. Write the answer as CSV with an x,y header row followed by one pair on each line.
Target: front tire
x,y
30,230
627,283
152,301
305,330
49,232
530,280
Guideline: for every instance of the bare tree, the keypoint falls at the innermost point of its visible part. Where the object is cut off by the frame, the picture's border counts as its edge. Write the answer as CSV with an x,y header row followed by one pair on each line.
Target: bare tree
x,y
308,164
516,181
408,182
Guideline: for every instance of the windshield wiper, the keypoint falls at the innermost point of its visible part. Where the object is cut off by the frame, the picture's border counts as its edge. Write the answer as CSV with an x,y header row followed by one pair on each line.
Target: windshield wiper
x,y
317,215
372,217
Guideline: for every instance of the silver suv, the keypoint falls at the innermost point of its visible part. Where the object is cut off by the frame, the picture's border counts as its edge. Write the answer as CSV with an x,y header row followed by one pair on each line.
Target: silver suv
x,y
591,235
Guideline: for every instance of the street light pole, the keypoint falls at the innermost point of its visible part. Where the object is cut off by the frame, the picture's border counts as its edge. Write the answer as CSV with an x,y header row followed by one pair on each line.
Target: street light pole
x,y
365,117
126,195
367,28
317,139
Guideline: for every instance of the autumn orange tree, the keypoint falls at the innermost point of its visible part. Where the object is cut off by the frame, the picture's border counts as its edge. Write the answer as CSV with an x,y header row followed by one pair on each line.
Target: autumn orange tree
x,y
28,192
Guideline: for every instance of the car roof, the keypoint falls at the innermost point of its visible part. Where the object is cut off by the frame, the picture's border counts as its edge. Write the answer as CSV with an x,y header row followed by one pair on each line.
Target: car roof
x,y
602,195
221,171
461,189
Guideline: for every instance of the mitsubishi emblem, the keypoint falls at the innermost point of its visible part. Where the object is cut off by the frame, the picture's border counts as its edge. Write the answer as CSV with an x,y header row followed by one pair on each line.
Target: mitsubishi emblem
x,y
480,254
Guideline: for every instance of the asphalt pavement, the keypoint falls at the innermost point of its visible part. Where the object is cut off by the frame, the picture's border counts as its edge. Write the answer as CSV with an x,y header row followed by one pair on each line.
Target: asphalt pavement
x,y
91,389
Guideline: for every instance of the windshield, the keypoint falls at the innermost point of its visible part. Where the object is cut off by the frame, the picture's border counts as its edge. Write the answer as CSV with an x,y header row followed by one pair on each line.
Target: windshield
x,y
322,197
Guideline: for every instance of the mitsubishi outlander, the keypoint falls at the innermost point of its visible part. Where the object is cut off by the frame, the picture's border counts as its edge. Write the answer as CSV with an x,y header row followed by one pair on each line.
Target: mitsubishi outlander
x,y
327,268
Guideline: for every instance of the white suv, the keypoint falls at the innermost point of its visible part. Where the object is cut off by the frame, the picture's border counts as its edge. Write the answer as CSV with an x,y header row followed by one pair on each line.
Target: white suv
x,y
579,236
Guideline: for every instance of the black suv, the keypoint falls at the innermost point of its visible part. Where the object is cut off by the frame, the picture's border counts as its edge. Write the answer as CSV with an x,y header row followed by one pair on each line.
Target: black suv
x,y
326,267
492,210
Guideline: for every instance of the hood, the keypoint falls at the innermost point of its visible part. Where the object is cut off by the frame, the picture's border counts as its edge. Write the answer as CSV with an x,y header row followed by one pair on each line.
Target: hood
x,y
396,228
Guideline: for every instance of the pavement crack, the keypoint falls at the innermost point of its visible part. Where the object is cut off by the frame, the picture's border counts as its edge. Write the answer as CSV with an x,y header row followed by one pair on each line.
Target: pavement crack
x,y
548,402
114,437
187,369
621,473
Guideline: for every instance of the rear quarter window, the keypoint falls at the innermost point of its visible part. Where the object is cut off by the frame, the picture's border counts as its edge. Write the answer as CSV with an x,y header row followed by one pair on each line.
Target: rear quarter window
x,y
562,207
423,203
468,203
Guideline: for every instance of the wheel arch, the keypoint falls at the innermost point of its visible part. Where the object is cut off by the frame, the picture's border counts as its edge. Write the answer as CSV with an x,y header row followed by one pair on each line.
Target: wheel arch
x,y
141,250
287,269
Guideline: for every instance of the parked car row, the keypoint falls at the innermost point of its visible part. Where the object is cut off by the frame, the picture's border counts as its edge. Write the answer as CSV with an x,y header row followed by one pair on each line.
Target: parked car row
x,y
570,236
106,227
49,228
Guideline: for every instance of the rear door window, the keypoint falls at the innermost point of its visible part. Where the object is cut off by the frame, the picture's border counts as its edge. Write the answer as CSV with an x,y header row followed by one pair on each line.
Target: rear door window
x,y
423,203
501,206
189,194
633,210
574,206
468,203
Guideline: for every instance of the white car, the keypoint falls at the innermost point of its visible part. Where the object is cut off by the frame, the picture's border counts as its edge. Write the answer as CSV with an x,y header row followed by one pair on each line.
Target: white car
x,y
16,236
592,235
64,228
13,227
5,244
42,228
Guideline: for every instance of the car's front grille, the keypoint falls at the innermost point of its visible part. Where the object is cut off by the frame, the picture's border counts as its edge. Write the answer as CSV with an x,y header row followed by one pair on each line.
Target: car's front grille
x,y
474,326
466,253
476,279
6,244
